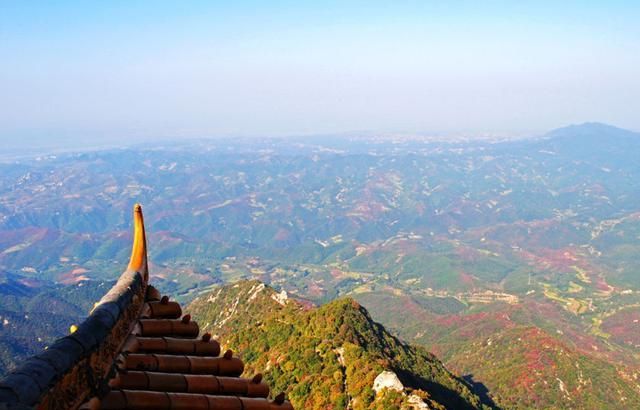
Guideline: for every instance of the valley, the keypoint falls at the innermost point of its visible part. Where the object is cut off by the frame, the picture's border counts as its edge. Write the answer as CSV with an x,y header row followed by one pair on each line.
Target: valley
x,y
516,262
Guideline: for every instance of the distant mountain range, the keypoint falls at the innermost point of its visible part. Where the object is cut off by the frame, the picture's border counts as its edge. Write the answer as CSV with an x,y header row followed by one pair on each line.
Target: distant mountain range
x,y
464,247
593,131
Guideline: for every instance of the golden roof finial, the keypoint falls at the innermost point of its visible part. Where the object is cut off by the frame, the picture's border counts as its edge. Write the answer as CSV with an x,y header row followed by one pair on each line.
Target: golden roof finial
x,y
138,261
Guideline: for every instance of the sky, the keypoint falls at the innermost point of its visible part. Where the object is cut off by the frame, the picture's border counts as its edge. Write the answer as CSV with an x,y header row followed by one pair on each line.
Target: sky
x,y
95,72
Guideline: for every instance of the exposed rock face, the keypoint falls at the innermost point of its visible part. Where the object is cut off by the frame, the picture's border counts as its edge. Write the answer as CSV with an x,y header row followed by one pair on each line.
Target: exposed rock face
x,y
387,380
255,290
281,297
416,403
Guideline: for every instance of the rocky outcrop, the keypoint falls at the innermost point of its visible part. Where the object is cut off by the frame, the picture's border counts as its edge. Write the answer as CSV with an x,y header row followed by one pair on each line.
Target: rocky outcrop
x,y
387,380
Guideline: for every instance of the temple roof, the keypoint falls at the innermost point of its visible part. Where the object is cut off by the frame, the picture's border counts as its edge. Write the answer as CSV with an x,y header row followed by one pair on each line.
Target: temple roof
x,y
136,350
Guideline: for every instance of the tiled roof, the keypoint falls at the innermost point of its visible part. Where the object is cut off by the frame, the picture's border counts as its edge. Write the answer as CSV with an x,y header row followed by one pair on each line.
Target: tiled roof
x,y
165,365
136,350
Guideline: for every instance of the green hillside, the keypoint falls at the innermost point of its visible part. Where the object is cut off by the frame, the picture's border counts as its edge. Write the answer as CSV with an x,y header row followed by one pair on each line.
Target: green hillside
x,y
529,355
326,357
33,314
527,368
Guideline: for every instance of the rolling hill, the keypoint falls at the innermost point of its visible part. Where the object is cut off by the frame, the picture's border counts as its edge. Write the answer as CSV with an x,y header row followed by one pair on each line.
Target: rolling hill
x,y
528,355
328,357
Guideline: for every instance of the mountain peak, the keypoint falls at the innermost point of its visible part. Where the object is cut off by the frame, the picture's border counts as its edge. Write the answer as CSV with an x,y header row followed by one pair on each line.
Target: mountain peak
x,y
327,357
591,129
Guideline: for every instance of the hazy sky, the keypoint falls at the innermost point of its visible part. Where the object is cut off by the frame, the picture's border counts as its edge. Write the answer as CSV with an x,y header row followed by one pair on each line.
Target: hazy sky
x,y
128,70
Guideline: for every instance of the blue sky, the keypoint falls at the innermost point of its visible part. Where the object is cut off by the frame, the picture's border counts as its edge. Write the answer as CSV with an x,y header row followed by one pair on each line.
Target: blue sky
x,y
133,70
